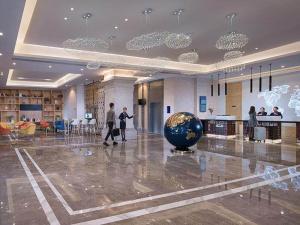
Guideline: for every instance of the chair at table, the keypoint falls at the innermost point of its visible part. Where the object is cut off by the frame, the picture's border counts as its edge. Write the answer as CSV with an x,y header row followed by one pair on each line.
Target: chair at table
x,y
84,126
45,125
93,126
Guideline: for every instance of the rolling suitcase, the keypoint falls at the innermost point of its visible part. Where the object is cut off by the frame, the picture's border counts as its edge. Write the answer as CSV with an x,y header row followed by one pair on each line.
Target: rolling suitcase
x,y
260,133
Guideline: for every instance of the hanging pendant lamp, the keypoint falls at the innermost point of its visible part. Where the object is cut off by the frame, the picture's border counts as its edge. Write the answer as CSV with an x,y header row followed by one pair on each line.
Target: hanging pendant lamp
x,y
260,79
251,82
225,83
212,86
270,78
218,84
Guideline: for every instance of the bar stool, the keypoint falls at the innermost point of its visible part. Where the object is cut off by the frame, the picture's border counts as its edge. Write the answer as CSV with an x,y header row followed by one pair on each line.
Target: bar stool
x,y
92,126
75,126
84,126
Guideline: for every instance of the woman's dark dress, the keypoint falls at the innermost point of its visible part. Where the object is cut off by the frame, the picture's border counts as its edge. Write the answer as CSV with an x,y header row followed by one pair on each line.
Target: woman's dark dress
x,y
122,118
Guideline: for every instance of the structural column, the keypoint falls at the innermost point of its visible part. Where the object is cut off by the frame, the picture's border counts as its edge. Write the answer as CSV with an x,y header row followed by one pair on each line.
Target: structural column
x,y
119,90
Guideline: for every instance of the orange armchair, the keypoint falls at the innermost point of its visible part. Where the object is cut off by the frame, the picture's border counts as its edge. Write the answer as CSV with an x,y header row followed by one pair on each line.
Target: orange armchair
x,y
45,125
4,129
27,129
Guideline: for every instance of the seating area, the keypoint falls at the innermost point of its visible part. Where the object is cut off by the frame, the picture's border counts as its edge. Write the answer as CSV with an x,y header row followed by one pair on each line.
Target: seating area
x,y
139,112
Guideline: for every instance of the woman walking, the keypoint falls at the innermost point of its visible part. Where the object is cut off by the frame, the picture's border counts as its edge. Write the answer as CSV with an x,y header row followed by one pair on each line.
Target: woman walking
x,y
122,118
252,122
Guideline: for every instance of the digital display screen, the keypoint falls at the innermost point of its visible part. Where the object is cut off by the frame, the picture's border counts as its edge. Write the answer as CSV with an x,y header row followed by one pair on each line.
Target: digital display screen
x,y
88,116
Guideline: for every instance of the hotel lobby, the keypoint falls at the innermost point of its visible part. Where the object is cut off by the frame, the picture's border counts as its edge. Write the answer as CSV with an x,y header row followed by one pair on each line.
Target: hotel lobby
x,y
149,112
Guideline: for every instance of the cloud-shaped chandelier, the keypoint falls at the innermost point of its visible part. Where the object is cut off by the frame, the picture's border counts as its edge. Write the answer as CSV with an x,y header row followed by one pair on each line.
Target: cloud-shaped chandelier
x,y
189,57
147,41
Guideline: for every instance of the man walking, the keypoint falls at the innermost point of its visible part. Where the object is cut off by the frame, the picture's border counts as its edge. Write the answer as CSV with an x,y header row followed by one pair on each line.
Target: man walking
x,y
110,123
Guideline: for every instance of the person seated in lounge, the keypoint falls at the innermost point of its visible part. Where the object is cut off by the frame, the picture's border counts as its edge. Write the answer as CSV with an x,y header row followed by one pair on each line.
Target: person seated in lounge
x,y
262,112
276,112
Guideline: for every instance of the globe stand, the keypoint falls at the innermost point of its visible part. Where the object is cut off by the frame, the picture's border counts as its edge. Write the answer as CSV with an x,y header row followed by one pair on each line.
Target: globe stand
x,y
182,150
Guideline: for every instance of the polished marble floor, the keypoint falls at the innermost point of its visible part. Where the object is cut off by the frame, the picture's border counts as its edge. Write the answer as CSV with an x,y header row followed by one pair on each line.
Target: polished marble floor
x,y
75,180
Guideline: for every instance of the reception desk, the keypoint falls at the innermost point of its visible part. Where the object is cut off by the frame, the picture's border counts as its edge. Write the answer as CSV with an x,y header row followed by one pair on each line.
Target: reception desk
x,y
220,125
271,123
276,129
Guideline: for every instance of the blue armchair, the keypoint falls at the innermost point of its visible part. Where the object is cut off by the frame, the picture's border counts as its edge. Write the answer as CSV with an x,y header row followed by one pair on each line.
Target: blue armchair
x,y
59,125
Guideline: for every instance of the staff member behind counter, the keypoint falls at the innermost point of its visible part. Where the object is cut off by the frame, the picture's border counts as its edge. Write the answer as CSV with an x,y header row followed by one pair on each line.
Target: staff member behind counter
x,y
262,112
276,112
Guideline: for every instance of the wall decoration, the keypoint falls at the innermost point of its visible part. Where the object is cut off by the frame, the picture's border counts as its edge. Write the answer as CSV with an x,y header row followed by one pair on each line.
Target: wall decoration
x,y
202,103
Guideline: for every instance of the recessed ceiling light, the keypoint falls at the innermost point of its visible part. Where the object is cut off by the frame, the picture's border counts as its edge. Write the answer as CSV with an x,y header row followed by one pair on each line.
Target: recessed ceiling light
x,y
66,18
47,79
150,75
0,53
116,27
49,66
72,9
81,69
256,48
86,79
126,20
282,66
14,63
21,78
1,34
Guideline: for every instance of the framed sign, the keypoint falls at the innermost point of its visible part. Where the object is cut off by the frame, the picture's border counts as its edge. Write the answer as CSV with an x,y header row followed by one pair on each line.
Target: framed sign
x,y
202,103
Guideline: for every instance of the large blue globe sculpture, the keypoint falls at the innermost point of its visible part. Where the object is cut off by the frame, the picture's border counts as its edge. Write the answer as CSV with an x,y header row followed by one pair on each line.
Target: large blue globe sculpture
x,y
183,130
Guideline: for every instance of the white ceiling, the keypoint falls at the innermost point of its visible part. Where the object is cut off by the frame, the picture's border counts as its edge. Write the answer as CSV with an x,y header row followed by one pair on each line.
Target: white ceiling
x,y
268,23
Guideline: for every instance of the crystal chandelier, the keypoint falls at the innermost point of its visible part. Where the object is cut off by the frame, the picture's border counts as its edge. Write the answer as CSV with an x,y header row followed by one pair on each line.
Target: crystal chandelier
x,y
177,41
231,40
230,58
147,41
189,57
86,44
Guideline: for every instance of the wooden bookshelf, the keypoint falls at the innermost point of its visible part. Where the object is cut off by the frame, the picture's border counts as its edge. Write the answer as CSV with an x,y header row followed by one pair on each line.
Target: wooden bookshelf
x,y
51,102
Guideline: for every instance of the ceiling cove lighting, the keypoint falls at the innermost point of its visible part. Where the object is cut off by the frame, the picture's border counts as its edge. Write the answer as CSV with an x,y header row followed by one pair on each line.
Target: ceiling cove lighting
x,y
251,80
270,78
54,84
225,83
260,79
219,85
212,86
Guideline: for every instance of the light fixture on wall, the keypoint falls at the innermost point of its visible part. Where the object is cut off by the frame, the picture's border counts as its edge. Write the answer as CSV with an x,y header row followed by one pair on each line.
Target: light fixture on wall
x,y
270,78
212,86
260,79
251,80
218,84
225,83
